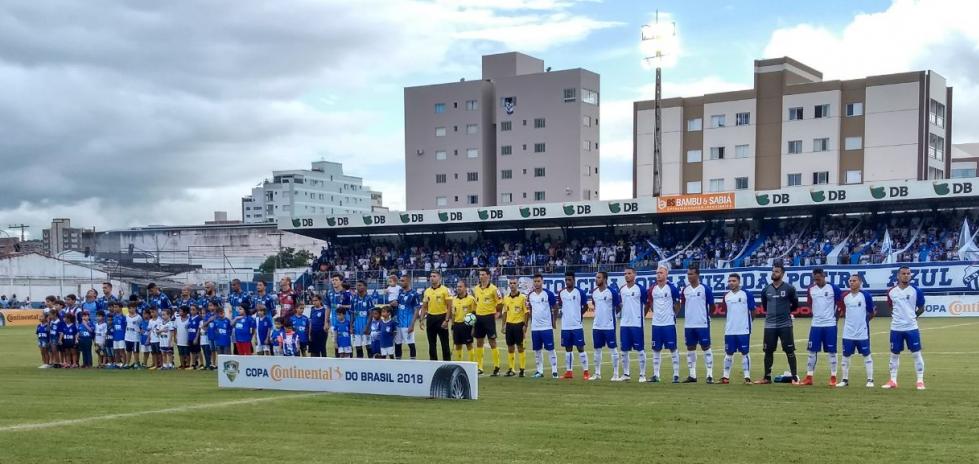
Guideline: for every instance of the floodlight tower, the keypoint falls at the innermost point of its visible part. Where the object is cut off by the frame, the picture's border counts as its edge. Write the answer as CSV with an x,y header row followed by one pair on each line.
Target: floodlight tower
x,y
658,40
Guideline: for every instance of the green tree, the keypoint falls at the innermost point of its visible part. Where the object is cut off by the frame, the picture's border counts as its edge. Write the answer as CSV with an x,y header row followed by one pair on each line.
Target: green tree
x,y
287,258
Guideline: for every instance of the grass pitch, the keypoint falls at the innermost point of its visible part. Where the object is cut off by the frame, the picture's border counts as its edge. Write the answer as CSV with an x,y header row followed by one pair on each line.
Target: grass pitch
x,y
146,416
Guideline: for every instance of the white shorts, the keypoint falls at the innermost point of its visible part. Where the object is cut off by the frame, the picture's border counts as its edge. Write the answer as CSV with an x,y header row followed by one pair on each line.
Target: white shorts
x,y
345,349
119,345
403,336
145,348
389,351
277,350
360,340
263,349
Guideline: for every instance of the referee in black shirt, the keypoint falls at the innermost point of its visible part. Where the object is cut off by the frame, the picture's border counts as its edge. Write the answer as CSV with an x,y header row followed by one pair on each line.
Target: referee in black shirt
x,y
779,301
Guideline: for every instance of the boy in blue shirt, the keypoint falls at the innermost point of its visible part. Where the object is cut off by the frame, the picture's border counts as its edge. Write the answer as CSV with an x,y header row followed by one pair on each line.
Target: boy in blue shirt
x,y
42,341
389,330
193,342
244,333
68,340
54,337
118,333
374,349
289,340
221,327
264,330
300,324
342,329
86,332
317,328
143,332
275,338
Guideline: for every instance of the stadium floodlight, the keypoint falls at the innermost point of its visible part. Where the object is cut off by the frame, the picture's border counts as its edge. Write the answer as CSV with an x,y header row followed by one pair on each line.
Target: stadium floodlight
x,y
659,45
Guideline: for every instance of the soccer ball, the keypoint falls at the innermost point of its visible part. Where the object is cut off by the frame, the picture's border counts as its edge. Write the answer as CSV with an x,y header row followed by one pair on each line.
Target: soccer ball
x,y
470,319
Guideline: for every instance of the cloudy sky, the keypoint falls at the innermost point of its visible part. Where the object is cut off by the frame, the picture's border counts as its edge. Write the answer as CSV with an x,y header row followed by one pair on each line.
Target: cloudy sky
x,y
129,113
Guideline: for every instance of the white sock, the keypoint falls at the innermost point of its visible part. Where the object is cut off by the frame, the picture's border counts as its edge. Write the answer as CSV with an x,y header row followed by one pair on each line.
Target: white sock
x,y
553,356
811,365
567,360
539,360
598,361
615,363
657,361
709,363
845,367
868,362
919,365
692,363
583,357
728,360
642,362
676,363
626,361
746,365
832,363
894,365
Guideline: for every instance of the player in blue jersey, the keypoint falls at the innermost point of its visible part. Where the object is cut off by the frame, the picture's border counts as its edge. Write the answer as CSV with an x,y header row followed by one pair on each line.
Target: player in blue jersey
x,y
264,330
262,297
825,301
665,302
238,299
244,333
157,298
389,330
907,304
361,305
605,304
740,305
318,328
572,303
118,333
857,313
68,342
374,331
698,304
193,335
406,314
300,324
342,327
338,297
221,328
86,333
635,305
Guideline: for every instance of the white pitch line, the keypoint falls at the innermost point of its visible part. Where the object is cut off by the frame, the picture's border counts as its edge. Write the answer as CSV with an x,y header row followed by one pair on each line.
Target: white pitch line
x,y
61,423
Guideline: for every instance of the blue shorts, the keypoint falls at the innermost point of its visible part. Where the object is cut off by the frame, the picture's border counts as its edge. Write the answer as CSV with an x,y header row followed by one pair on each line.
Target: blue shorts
x,y
376,347
900,338
573,337
822,339
603,337
542,339
697,336
42,344
849,346
739,343
664,336
632,338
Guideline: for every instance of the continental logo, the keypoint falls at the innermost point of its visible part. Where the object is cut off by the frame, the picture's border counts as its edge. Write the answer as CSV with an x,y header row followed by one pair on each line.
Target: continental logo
x,y
958,308
278,373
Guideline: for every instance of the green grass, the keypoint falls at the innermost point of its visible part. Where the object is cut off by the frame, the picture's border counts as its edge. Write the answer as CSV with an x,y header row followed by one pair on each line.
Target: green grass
x,y
515,420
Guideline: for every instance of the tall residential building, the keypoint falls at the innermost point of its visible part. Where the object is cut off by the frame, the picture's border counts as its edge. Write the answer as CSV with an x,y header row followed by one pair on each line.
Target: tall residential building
x,y
965,160
794,129
521,134
324,189
61,236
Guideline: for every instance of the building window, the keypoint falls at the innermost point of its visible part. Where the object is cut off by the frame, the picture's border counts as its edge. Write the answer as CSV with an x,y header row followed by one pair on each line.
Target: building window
x,y
795,114
794,180
741,151
822,111
936,147
440,107
539,148
961,173
472,177
539,123
506,198
695,124
472,153
694,156
506,174
506,150
853,143
821,144
935,173
506,126
586,145
854,109
473,199
716,185
742,119
440,132
539,196
589,96
740,183
795,146
472,105
472,128
854,176
586,121
693,187
716,153
440,155
717,120
440,201
570,95
440,178
936,113
820,178
538,172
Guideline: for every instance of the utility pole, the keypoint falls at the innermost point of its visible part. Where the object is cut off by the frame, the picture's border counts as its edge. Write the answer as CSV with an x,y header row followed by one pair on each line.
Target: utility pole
x,y
22,228
657,41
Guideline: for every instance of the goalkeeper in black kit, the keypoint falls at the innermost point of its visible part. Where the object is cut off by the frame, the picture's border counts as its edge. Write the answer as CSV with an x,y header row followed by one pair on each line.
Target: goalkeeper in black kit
x,y
779,300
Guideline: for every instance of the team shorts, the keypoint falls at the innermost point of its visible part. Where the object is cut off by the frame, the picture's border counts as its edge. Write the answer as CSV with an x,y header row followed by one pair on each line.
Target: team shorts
x,y
344,349
544,339
822,339
359,340
222,349
263,349
632,338
183,350
143,349
67,345
42,344
902,338
194,348
664,336
243,348
603,337
166,349
155,347
736,343
387,350
276,350
573,337
132,347
107,349
403,336
303,347
375,347
462,334
485,327
514,334
849,346
694,336
779,334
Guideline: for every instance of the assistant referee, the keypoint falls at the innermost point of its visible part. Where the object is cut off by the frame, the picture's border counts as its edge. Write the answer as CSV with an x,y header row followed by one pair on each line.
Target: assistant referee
x,y
435,308
779,300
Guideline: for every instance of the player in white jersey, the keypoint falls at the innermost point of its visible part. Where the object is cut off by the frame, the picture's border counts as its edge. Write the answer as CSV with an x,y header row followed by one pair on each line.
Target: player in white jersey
x,y
605,303
825,300
698,304
572,305
740,306
857,313
665,302
907,303
543,310
635,305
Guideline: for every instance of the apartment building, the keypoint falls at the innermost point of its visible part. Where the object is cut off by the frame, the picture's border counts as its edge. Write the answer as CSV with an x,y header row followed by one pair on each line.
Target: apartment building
x,y
61,237
794,129
322,190
520,134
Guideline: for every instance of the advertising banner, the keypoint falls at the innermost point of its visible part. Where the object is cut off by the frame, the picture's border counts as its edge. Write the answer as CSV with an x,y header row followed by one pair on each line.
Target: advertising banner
x,y
692,203
427,379
951,306
869,192
20,316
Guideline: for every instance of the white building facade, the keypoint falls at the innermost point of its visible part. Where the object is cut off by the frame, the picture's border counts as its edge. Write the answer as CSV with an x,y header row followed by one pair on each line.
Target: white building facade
x,y
324,189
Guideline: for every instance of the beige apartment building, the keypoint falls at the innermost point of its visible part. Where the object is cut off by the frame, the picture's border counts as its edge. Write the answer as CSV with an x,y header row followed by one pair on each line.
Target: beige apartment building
x,y
520,134
794,129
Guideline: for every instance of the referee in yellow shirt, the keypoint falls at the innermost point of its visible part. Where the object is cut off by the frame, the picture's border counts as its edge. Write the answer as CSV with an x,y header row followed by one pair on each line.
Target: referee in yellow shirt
x,y
435,309
462,333
515,316
488,303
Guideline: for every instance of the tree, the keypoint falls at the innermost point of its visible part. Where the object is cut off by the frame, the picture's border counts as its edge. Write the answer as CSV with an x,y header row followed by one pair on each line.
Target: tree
x,y
287,258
